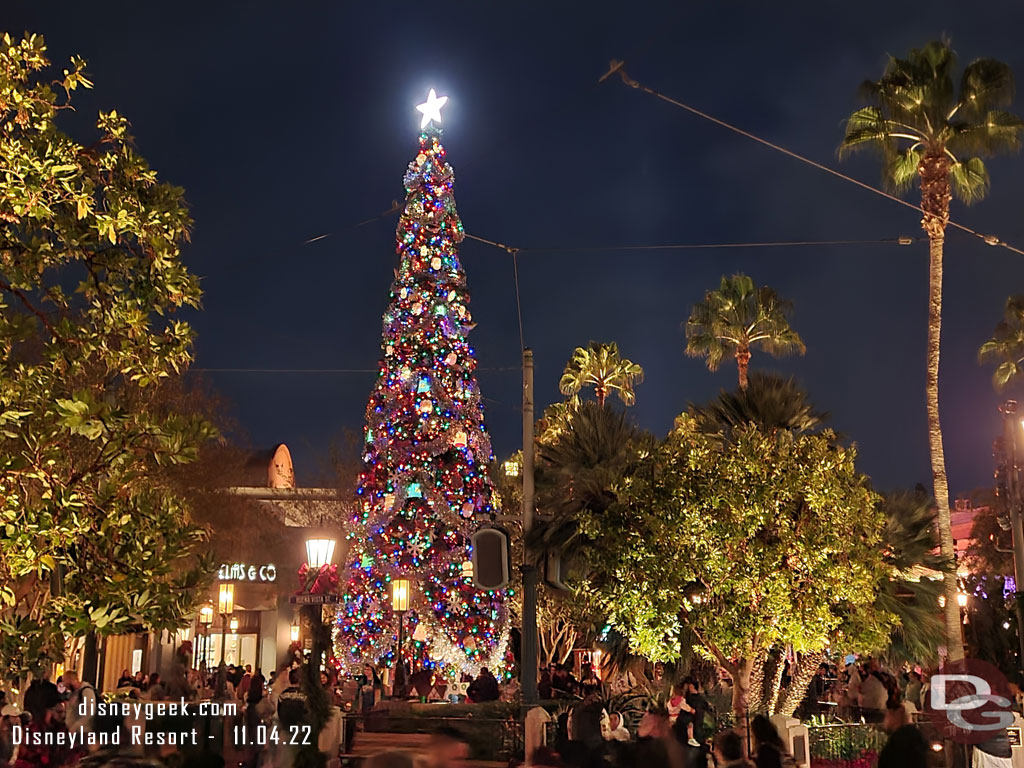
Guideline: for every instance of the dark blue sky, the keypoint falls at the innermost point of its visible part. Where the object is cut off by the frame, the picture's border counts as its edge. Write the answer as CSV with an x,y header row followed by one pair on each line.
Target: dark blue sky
x,y
285,121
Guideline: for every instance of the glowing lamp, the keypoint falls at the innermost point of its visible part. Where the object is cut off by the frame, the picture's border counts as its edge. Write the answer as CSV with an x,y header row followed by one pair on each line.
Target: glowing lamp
x,y
512,468
319,551
234,625
206,615
295,633
400,595
226,599
942,601
961,599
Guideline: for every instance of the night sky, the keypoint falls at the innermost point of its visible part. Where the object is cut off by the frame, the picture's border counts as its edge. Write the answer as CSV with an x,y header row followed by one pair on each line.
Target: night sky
x,y
287,121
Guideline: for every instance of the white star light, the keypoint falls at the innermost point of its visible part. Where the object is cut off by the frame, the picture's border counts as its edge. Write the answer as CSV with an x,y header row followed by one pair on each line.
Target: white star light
x,y
431,109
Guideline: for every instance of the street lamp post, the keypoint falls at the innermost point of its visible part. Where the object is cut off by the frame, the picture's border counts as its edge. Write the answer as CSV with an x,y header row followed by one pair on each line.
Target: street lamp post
x,y
319,554
205,620
400,604
1012,427
226,606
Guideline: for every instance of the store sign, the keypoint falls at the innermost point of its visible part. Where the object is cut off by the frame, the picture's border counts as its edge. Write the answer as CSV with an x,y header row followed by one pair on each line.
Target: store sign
x,y
243,572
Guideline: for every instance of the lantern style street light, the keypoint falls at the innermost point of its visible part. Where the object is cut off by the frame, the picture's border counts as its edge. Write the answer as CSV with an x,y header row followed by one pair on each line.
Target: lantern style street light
x,y
319,554
400,589
295,633
225,606
205,620
319,551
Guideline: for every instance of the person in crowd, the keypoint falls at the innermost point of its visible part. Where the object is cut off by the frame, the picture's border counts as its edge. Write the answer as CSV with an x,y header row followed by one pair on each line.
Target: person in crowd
x,y
10,718
242,690
292,705
676,702
81,703
484,688
614,728
562,681
914,686
729,751
873,696
588,678
125,680
139,681
47,727
906,747
769,751
655,746
544,683
155,690
447,748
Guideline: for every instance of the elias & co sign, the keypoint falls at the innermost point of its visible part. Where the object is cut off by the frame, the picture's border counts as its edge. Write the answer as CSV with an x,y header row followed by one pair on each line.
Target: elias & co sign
x,y
243,572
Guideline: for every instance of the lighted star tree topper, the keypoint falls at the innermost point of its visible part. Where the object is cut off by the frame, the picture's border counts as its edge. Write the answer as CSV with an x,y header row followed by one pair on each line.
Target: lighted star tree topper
x,y
424,488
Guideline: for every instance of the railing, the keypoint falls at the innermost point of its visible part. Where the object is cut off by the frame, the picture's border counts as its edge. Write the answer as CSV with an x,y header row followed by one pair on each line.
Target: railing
x,y
845,745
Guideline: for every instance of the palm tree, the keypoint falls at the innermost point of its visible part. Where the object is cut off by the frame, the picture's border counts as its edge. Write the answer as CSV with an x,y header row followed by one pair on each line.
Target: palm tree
x,y
600,366
928,131
737,317
1006,347
577,475
770,401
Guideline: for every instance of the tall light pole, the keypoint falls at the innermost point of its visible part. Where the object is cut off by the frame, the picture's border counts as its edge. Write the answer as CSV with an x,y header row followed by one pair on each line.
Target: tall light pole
x,y
319,554
400,604
1013,440
205,620
226,606
528,672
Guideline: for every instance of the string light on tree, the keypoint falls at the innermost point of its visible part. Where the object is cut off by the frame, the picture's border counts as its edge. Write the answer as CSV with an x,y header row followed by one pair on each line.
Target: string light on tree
x,y
424,488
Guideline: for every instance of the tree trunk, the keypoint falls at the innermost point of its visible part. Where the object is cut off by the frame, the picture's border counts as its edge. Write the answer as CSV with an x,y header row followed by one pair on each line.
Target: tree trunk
x,y
741,691
601,394
801,675
934,172
758,675
742,363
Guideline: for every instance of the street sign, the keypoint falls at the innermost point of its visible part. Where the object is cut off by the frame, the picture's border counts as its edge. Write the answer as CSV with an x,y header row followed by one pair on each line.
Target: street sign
x,y
314,599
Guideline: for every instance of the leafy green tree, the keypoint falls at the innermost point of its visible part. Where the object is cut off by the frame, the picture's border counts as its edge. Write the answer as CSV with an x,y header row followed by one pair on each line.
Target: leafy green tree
x,y
763,540
600,366
94,536
737,318
932,133
1006,347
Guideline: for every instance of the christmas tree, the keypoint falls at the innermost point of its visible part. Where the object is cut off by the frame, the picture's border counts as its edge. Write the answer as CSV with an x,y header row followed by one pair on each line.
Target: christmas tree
x,y
424,488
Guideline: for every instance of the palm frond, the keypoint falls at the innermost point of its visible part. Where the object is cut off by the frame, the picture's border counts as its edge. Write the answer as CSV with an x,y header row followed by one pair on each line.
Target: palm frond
x,y
986,83
970,179
901,171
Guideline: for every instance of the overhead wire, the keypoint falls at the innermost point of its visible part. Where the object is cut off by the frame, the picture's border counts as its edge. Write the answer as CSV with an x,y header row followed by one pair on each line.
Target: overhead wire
x,y
616,67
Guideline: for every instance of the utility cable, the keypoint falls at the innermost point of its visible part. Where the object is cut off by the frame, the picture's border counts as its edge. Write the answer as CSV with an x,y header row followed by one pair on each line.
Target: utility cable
x,y
617,68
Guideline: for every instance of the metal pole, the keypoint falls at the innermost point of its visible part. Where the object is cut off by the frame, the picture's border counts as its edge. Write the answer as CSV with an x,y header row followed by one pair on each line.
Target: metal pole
x,y
222,670
1011,431
528,655
400,678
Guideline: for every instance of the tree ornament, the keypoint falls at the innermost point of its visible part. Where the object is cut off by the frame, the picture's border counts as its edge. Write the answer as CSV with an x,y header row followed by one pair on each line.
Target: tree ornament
x,y
467,509
426,406
460,439
415,491
417,308
436,262
450,358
